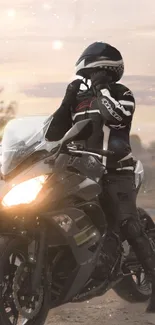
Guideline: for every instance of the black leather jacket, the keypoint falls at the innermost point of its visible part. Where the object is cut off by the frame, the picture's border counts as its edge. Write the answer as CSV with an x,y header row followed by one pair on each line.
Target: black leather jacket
x,y
117,105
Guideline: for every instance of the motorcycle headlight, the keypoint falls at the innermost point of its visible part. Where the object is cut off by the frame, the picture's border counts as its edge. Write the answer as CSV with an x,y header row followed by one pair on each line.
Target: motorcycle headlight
x,y
24,193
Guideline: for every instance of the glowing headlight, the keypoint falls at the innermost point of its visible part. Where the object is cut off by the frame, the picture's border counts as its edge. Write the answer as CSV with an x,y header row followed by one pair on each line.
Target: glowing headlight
x,y
24,193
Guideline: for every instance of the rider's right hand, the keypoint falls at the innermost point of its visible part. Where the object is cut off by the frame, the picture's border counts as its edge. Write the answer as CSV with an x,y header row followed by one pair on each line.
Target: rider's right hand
x,y
72,90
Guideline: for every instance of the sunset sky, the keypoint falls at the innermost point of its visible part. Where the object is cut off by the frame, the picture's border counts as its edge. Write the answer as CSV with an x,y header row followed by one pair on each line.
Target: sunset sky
x,y
41,41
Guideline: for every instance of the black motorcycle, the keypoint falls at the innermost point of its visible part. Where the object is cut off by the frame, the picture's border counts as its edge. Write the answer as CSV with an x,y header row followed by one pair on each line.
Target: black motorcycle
x,y
55,246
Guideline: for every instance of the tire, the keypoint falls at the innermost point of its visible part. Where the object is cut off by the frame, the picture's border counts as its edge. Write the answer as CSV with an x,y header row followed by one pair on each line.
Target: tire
x,y
128,289
8,246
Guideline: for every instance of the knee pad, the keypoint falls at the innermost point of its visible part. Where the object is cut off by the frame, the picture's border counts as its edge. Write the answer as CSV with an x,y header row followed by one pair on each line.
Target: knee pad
x,y
131,229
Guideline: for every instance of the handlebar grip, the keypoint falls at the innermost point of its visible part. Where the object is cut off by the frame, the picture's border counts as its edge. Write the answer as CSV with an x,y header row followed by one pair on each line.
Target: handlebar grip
x,y
101,152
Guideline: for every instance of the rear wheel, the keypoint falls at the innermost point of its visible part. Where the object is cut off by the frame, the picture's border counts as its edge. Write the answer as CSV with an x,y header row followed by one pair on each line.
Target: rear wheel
x,y
16,306
137,287
134,288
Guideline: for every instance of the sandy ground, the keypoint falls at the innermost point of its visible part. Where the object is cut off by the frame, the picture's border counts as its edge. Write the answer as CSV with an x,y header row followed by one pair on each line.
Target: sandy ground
x,y
106,310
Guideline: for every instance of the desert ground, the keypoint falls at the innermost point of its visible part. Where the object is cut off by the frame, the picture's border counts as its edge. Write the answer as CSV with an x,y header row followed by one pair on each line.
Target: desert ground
x,y
106,310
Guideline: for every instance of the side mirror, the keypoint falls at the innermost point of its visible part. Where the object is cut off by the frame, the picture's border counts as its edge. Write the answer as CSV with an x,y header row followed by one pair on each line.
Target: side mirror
x,y
80,131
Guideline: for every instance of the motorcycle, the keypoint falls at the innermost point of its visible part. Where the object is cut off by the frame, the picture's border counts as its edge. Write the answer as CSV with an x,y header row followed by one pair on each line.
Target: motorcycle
x,y
55,246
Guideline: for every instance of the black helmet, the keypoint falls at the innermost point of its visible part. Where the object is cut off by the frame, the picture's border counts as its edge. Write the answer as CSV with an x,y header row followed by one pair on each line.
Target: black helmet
x,y
98,56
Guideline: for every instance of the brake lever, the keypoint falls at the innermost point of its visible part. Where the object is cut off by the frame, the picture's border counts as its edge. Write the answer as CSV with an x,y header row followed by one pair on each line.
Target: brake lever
x,y
77,146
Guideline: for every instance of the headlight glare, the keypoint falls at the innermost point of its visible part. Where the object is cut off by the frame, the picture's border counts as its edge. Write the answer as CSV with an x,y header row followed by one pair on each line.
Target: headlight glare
x,y
25,192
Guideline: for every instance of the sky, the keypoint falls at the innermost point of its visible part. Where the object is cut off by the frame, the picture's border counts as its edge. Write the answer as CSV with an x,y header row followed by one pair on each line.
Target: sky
x,y
40,42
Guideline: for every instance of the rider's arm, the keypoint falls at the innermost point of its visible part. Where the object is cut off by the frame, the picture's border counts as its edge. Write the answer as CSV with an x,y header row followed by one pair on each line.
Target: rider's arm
x,y
61,122
62,119
117,112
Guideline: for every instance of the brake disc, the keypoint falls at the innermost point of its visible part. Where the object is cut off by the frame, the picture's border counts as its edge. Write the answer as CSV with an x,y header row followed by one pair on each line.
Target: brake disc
x,y
27,306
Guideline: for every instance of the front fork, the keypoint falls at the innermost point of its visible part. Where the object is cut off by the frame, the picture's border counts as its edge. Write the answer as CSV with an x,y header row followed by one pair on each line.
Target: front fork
x,y
38,258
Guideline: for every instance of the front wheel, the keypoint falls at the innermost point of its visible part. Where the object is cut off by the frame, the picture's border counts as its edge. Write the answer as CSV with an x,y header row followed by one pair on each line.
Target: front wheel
x,y
137,288
16,306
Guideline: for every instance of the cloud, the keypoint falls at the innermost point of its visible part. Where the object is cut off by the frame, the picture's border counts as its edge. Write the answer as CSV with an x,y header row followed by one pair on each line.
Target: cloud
x,y
46,90
142,86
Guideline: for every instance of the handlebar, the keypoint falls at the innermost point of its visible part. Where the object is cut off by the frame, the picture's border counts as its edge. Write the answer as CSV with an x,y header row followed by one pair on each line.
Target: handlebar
x,y
78,149
97,152
102,152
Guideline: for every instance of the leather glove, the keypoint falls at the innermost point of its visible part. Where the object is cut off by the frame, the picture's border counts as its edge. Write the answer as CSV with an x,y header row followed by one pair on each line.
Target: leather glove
x,y
72,90
100,80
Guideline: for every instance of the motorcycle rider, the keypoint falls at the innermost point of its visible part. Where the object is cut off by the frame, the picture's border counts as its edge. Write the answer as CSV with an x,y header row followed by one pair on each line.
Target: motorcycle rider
x,y
111,106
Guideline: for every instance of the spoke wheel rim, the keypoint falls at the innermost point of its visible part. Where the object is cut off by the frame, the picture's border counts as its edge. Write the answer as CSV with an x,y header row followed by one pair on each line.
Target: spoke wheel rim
x,y
142,282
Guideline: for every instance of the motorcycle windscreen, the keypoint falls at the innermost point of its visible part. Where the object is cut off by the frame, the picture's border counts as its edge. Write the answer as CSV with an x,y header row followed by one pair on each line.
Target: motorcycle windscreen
x,y
22,137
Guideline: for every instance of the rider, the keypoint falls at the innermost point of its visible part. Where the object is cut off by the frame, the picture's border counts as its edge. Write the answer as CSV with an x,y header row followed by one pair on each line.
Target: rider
x,y
103,65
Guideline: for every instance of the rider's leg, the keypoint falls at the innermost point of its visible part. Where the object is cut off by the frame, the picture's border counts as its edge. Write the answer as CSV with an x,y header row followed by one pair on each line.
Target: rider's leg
x,y
119,194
